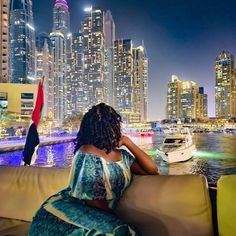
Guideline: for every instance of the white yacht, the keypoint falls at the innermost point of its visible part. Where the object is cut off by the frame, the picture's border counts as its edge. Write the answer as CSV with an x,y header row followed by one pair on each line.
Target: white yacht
x,y
177,147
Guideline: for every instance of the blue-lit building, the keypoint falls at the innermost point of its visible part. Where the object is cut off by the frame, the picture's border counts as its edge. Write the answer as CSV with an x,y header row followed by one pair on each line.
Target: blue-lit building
x,y
22,42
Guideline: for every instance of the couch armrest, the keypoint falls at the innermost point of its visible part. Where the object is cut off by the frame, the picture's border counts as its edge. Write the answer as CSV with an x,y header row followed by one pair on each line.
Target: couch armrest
x,y
226,206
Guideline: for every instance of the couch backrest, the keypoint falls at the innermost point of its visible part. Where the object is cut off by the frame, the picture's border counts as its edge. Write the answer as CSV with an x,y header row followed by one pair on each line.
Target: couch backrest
x,y
23,189
157,205
168,205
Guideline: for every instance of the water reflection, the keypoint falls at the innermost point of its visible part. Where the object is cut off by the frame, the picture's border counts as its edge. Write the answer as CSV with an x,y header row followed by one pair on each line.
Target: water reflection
x,y
215,156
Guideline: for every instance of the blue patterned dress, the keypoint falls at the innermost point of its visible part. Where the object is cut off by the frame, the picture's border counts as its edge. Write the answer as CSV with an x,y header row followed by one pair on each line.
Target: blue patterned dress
x,y
91,178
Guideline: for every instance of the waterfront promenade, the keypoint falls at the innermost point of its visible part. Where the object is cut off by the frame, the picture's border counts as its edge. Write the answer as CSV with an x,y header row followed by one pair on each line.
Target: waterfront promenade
x,y
14,144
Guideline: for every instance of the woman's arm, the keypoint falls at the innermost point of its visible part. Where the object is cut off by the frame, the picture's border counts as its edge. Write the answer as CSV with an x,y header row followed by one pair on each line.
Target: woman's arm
x,y
143,163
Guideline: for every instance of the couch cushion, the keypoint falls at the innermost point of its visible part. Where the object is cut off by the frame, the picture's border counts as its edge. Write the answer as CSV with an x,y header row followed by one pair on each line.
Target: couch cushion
x,y
14,227
23,189
168,205
226,205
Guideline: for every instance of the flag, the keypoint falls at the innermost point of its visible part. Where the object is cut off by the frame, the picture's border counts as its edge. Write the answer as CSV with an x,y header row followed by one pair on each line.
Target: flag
x,y
32,139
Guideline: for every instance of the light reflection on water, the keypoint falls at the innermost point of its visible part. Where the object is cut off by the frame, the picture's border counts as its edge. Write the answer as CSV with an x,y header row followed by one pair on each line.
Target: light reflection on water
x,y
215,156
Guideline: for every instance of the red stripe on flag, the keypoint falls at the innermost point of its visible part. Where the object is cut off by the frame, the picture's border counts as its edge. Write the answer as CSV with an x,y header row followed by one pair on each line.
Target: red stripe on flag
x,y
39,105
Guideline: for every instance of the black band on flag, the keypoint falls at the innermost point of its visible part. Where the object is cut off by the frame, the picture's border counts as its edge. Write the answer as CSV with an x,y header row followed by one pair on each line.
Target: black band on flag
x,y
32,141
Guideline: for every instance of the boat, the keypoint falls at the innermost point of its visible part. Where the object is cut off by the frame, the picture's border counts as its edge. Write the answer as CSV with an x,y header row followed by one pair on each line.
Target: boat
x,y
139,132
177,147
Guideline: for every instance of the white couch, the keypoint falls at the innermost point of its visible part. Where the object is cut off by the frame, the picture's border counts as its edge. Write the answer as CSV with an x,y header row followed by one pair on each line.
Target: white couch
x,y
157,205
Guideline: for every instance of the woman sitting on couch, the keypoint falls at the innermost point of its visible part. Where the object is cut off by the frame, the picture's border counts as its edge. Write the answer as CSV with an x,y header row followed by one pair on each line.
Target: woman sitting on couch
x,y
99,175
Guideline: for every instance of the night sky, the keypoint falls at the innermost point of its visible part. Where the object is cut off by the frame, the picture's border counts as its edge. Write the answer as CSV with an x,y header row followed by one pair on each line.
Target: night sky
x,y
182,37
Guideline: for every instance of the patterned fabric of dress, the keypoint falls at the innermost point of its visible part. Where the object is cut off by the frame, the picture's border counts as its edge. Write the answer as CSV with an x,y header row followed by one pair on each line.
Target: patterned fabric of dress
x,y
91,178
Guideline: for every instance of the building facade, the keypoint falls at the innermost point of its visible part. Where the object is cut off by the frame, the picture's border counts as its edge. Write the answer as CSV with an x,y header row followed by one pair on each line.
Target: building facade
x,y
185,100
59,83
93,54
109,32
123,74
18,99
173,101
59,36
4,39
45,71
22,42
140,82
225,88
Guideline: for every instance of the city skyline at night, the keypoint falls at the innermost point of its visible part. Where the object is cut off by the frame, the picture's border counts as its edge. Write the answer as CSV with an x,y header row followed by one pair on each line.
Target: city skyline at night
x,y
181,38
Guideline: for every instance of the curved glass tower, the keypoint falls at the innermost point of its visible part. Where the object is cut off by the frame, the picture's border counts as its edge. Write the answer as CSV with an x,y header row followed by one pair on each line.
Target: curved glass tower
x,y
22,42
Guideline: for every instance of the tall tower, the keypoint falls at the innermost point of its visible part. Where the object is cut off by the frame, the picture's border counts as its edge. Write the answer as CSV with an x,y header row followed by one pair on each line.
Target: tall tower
x,y
109,32
123,72
93,50
59,82
224,85
140,82
22,42
45,70
4,41
61,24
173,98
61,17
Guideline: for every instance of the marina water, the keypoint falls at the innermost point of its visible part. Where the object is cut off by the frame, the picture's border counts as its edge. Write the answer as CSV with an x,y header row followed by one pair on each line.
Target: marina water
x,y
215,156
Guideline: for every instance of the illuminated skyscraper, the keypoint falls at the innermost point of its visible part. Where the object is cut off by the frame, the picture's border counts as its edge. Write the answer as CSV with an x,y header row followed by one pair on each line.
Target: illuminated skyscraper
x,y
123,73
93,52
45,70
185,100
78,83
140,82
109,31
4,41
22,42
188,101
233,100
58,37
61,17
225,86
59,83
173,101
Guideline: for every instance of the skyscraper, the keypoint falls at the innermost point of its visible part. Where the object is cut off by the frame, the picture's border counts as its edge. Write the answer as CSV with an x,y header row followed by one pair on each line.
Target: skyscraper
x,y
109,32
79,86
4,41
173,101
225,86
58,37
93,52
22,42
123,73
61,17
140,82
59,83
188,100
185,100
45,70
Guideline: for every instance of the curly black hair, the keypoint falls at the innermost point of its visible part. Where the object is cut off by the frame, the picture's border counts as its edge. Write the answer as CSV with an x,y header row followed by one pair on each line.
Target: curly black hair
x,y
101,127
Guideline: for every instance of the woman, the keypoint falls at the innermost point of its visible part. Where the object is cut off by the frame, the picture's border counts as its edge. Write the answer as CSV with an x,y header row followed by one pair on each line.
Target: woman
x,y
99,174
